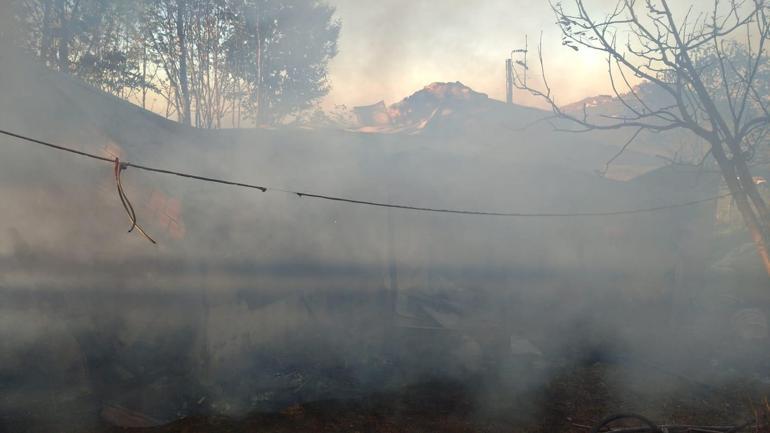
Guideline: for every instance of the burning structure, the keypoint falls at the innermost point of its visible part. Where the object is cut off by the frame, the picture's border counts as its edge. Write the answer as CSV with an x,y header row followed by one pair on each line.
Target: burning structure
x,y
258,302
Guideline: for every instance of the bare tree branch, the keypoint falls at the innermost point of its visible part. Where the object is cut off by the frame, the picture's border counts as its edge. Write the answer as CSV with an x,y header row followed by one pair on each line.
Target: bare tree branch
x,y
702,80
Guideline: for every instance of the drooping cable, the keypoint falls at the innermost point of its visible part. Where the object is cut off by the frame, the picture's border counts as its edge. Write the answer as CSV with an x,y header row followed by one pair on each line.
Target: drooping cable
x,y
370,202
129,208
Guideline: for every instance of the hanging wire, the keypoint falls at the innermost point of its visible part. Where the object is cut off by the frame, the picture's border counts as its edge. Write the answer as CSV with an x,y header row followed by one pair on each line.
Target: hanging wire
x,y
369,202
650,427
119,167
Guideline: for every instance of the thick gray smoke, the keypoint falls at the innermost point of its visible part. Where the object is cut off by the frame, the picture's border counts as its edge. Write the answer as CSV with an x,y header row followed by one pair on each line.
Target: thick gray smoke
x,y
257,300
390,48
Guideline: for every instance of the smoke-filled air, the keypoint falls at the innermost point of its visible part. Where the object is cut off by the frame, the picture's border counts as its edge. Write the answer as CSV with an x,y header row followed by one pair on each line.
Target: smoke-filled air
x,y
384,216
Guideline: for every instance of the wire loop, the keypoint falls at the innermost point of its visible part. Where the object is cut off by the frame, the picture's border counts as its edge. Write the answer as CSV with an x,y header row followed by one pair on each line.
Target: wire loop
x,y
118,168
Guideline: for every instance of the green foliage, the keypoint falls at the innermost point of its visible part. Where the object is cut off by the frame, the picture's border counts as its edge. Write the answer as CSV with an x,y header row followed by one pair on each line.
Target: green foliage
x,y
282,50
264,59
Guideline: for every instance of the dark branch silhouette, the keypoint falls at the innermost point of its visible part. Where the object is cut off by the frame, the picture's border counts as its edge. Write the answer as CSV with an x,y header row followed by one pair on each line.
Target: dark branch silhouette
x,y
707,72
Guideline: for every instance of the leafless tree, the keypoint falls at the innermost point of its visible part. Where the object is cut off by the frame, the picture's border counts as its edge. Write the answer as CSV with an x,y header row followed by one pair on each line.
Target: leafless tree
x,y
708,67
213,24
181,34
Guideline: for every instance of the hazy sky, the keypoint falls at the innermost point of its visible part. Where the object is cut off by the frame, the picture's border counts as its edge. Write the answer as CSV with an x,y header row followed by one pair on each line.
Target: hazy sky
x,y
391,48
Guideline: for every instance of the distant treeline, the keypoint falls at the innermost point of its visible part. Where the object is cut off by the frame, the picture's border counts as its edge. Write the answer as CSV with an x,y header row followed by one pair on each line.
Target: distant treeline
x,y
206,63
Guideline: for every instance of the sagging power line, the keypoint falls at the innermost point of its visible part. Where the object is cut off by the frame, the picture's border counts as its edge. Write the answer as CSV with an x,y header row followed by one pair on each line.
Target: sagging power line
x,y
302,194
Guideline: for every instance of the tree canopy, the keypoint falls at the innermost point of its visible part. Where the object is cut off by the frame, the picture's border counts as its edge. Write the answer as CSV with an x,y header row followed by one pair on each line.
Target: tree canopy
x,y
206,61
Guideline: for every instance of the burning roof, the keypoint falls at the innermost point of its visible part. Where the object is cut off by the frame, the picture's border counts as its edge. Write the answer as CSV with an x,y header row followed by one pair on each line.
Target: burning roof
x,y
418,111
373,115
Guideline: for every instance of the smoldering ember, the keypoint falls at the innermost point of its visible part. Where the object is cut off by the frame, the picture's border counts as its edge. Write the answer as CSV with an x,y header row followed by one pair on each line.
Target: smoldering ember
x,y
384,216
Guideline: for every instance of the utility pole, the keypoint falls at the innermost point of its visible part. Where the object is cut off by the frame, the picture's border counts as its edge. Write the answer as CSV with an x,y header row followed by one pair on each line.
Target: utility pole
x,y
509,73
509,81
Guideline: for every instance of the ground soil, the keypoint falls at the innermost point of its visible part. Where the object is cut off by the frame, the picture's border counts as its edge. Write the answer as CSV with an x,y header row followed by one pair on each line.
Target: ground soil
x,y
571,401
